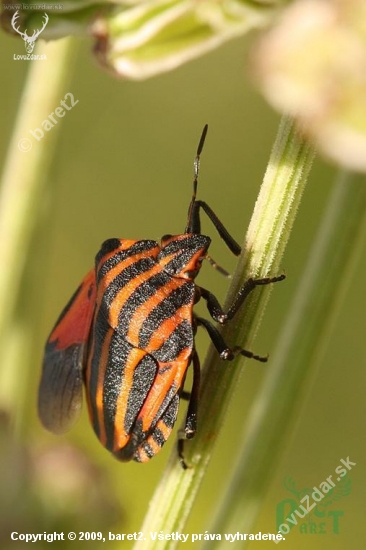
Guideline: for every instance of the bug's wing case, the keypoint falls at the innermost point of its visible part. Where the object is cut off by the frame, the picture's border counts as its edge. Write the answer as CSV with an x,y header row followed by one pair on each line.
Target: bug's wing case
x,y
60,390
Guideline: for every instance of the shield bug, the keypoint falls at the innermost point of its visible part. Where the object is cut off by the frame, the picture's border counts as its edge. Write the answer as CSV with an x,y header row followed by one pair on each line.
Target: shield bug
x,y
128,334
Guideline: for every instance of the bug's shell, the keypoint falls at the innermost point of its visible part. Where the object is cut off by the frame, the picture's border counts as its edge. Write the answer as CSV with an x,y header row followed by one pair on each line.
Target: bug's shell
x,y
129,328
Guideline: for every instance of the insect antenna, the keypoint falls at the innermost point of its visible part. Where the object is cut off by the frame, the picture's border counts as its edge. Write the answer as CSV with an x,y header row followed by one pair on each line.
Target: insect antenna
x,y
193,222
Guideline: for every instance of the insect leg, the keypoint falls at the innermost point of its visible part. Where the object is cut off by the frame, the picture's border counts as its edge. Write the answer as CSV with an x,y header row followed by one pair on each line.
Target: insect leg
x,y
215,309
190,427
226,353
217,266
186,395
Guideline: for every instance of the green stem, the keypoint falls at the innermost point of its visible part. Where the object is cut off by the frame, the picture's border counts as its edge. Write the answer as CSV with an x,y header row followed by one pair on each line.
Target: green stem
x,y
23,180
299,352
267,236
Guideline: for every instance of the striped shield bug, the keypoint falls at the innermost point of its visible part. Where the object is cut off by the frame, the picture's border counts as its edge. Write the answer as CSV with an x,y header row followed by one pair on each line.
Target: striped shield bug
x,y
128,334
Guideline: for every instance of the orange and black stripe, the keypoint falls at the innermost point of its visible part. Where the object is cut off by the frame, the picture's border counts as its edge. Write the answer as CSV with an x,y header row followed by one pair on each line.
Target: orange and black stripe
x,y
128,332
141,341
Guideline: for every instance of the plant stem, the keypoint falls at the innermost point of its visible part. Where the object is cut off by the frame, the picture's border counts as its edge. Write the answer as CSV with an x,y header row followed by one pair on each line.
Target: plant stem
x,y
299,352
23,180
267,236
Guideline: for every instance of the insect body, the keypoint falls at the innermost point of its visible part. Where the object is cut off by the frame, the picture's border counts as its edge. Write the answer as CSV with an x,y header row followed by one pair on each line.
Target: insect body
x,y
128,333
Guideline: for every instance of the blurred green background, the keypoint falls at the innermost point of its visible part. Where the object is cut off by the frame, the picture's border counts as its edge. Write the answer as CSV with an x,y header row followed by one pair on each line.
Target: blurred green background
x,y
123,168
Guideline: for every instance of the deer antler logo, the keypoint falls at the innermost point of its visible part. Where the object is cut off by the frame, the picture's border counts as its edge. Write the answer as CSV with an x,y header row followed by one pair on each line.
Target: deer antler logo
x,y
29,41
